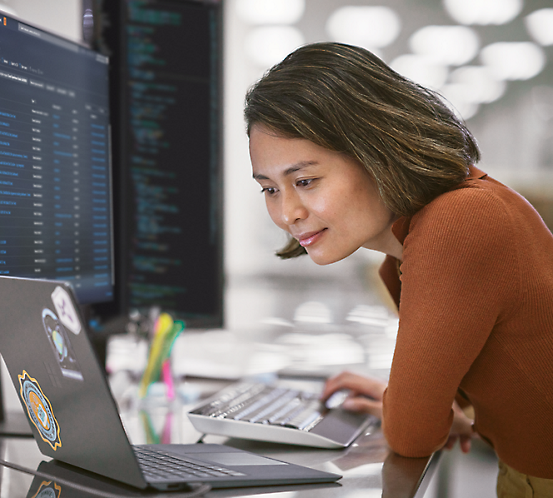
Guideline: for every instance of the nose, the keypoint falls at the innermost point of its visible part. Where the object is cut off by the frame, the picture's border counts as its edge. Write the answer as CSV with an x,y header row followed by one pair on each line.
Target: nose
x,y
292,208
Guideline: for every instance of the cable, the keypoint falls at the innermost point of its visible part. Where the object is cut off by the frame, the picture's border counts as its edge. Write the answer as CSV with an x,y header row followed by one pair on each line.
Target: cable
x,y
202,488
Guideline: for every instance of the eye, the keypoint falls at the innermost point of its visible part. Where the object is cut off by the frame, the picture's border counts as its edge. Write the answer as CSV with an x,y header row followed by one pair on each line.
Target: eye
x,y
305,182
268,190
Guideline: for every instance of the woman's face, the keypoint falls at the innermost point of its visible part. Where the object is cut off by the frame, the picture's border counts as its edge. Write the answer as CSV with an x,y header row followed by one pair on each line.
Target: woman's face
x,y
326,200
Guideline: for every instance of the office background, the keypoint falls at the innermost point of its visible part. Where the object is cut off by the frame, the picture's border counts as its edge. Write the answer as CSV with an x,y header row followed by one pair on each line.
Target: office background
x,y
494,63
508,106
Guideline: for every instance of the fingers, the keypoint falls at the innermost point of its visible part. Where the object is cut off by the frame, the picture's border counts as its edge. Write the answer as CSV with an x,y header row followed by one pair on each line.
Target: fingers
x,y
450,442
363,405
465,442
357,384
365,393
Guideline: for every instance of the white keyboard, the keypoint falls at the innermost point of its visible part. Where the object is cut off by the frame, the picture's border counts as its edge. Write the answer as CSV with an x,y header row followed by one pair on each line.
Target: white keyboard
x,y
278,414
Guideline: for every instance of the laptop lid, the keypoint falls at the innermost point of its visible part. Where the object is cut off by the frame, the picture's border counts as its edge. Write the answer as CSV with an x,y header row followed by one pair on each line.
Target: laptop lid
x,y
68,402
61,386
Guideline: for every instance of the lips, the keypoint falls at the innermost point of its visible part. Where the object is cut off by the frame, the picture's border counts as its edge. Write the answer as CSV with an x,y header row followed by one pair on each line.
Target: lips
x,y
309,238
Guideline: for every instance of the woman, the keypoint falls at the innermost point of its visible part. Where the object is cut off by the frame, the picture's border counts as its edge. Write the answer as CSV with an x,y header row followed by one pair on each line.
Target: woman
x,y
349,154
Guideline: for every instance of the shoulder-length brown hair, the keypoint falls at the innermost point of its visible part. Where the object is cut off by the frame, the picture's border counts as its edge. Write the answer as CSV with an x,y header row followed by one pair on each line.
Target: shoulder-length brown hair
x,y
346,99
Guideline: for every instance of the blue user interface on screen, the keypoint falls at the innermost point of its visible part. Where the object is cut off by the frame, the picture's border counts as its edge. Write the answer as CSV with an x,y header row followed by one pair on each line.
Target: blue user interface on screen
x,y
55,190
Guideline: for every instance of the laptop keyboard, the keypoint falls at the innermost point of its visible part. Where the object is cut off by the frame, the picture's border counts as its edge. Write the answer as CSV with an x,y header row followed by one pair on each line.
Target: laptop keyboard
x,y
263,404
160,465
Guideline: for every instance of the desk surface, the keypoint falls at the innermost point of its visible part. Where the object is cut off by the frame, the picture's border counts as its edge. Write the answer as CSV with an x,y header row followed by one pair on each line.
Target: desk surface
x,y
368,467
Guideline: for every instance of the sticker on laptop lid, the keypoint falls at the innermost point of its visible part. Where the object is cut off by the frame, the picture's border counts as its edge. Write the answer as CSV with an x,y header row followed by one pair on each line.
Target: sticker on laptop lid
x,y
61,345
67,313
40,410
48,489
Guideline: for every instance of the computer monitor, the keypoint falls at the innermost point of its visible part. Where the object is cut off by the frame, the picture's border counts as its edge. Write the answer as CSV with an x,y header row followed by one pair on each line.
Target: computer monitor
x,y
55,178
167,142
55,166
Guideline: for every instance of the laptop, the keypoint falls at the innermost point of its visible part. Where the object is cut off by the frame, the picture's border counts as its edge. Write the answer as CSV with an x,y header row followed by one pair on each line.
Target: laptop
x,y
55,479
74,418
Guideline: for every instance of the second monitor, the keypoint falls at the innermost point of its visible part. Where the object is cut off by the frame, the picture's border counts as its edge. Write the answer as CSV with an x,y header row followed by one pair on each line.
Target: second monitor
x,y
166,108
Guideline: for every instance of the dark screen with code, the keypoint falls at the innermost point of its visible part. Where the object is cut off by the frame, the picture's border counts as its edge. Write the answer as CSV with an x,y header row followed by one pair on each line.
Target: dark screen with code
x,y
167,141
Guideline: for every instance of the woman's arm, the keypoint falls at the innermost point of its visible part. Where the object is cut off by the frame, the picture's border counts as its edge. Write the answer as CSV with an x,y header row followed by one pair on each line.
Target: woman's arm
x,y
366,393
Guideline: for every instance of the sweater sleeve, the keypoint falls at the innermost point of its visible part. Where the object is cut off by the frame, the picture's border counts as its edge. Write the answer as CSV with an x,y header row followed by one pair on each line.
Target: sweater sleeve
x,y
457,262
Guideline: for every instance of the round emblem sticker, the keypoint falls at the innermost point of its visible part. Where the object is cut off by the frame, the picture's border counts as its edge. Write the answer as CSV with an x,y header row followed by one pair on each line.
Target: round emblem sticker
x,y
48,489
39,410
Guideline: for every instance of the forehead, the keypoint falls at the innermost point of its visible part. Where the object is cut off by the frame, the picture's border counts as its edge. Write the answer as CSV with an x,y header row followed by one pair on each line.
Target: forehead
x,y
269,150
266,142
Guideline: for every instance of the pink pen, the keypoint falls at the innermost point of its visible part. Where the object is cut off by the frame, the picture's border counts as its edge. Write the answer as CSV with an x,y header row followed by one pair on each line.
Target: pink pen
x,y
167,378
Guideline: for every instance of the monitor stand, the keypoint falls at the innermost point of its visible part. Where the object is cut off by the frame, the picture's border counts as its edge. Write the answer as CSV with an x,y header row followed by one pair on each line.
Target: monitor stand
x,y
12,424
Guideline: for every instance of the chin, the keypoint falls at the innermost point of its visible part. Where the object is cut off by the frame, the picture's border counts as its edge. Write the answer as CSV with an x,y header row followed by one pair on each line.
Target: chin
x,y
325,259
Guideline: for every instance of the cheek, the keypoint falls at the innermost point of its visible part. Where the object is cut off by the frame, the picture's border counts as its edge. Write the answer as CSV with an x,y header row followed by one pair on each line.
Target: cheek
x,y
324,206
274,213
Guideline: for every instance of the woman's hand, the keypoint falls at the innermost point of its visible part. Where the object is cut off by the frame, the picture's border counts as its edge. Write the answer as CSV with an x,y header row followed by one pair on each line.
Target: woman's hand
x,y
365,393
460,429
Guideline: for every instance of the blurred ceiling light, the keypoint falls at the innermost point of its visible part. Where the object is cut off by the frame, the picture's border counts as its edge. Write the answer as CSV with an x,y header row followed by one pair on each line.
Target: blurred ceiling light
x,y
270,11
542,100
481,87
268,45
540,26
483,11
450,45
369,315
369,27
314,312
421,70
513,60
458,99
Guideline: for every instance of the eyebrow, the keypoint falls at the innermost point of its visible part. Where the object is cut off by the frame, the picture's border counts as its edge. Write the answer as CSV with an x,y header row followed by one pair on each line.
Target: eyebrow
x,y
290,170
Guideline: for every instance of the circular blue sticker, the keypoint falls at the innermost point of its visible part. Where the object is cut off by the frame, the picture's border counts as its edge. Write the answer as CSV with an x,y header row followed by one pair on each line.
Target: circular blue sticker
x,y
39,410
48,489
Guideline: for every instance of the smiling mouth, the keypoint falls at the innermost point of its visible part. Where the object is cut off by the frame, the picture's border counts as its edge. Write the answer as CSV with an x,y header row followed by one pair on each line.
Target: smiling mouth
x,y
310,238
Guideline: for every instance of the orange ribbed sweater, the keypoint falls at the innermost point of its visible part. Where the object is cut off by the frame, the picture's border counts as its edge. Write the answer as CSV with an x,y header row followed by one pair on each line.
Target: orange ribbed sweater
x,y
475,301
